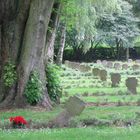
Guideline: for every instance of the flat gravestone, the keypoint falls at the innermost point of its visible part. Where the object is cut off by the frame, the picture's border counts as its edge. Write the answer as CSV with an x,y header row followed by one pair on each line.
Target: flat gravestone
x,y
115,79
125,67
131,84
73,107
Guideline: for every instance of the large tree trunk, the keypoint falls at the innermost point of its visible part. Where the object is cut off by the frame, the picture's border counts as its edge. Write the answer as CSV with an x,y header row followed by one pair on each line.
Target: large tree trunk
x,y
51,34
59,58
24,25
14,14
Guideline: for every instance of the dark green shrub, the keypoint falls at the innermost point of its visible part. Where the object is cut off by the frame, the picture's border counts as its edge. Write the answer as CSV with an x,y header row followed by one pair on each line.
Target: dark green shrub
x,y
53,73
34,90
10,75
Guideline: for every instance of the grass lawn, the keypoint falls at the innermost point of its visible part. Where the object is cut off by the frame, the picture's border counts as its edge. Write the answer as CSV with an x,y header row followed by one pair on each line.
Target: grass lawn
x,y
84,86
100,113
97,90
73,134
94,90
35,114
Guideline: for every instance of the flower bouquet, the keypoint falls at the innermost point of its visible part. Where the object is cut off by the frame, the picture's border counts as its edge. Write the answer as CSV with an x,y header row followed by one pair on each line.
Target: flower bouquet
x,y
18,122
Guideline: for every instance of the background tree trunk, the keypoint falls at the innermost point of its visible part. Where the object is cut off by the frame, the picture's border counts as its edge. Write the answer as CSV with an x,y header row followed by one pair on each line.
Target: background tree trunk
x,y
51,34
127,53
59,58
24,26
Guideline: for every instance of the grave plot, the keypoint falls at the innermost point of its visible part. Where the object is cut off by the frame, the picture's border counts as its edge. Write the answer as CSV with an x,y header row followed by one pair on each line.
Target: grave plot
x,y
105,84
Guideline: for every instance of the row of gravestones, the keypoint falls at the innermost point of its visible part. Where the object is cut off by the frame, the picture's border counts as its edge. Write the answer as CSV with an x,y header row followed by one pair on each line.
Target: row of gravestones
x,y
107,64
131,82
78,66
115,77
118,66
129,61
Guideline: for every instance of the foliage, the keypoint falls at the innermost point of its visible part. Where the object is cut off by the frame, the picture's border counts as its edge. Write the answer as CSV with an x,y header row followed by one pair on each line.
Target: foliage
x,y
119,25
136,6
84,28
33,91
53,82
137,41
10,75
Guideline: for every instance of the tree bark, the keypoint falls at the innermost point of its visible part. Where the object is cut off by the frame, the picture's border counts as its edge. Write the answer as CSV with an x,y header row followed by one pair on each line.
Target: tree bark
x,y
59,58
23,41
13,22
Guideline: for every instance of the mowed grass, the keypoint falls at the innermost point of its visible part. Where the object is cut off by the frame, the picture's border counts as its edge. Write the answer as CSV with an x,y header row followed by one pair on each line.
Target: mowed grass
x,y
73,134
88,133
108,99
79,84
95,90
91,112
34,114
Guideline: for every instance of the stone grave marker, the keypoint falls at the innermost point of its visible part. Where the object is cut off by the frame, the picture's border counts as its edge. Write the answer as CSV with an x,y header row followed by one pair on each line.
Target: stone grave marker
x,y
104,63
96,71
138,61
130,60
131,84
99,62
117,66
115,79
109,64
73,107
84,68
136,67
125,67
103,75
66,63
74,65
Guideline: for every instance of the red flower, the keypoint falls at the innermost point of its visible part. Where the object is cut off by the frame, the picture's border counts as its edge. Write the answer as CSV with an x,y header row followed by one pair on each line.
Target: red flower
x,y
11,119
18,120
